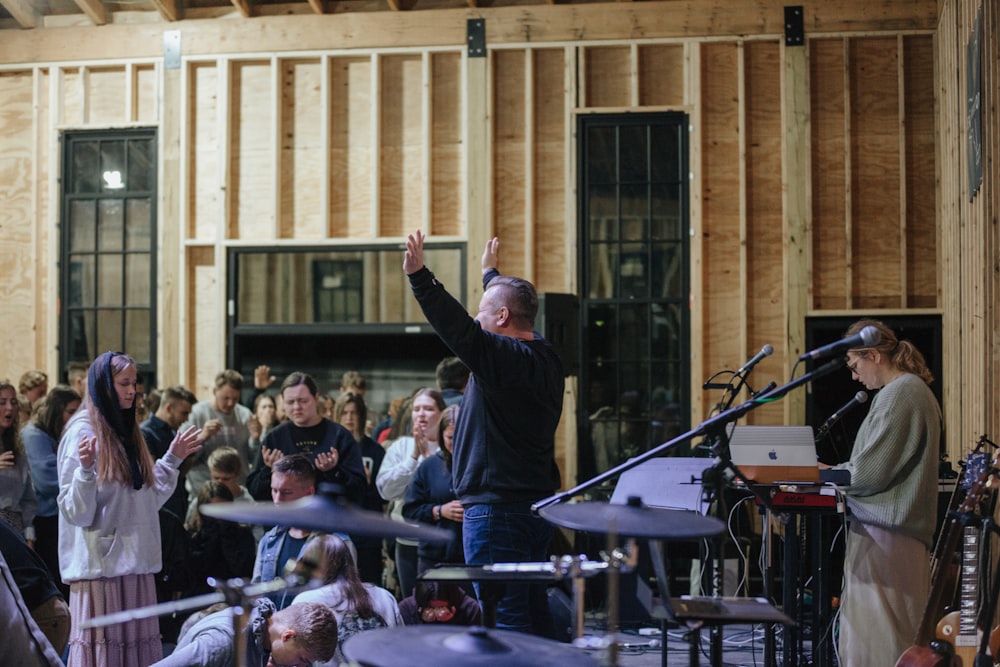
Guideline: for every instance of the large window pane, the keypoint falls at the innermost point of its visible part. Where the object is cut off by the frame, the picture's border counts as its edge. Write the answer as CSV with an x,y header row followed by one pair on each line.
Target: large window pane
x,y
110,224
601,162
634,274
138,224
109,331
137,327
665,212
86,164
80,281
344,286
107,272
82,225
113,165
109,280
140,165
633,163
137,274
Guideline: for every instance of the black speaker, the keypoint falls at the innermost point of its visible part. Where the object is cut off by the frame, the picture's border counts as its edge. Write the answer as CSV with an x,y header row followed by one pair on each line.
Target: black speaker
x,y
558,321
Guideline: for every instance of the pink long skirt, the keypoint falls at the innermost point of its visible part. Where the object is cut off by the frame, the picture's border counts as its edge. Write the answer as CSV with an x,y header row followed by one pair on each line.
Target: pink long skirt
x,y
131,644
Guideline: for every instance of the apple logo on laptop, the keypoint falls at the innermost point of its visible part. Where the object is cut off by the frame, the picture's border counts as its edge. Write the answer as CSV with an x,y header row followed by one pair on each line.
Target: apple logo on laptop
x,y
773,455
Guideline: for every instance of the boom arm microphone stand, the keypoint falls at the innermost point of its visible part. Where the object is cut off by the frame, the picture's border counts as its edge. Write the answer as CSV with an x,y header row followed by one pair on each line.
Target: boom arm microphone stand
x,y
714,426
704,428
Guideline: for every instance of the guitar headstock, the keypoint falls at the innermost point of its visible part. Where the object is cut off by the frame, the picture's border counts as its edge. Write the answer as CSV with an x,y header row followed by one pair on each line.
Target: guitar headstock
x,y
977,476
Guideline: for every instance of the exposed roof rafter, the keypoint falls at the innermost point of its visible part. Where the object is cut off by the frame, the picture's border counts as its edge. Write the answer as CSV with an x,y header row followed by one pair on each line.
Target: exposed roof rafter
x,y
95,11
22,11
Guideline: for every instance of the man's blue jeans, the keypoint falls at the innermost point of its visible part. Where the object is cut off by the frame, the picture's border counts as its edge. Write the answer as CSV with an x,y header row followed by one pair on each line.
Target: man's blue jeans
x,y
510,533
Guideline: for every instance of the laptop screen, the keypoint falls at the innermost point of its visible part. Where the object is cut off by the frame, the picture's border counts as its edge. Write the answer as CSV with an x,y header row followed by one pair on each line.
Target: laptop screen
x,y
775,454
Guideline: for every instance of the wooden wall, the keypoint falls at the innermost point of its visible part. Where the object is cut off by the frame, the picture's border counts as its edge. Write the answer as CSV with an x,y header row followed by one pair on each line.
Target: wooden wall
x,y
970,243
820,173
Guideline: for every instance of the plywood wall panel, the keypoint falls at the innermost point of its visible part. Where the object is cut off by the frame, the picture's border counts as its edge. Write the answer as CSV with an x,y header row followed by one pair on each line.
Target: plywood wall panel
x,y
766,299
204,151
723,308
922,239
608,76
509,180
828,99
401,165
351,110
661,75
552,266
106,96
70,97
205,321
446,144
18,271
302,152
251,156
145,94
875,173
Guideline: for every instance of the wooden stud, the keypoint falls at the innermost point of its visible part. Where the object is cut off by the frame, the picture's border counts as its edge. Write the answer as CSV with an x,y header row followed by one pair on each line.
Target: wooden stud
x,y
696,302
427,139
325,114
376,141
743,329
848,179
903,255
478,156
530,228
795,212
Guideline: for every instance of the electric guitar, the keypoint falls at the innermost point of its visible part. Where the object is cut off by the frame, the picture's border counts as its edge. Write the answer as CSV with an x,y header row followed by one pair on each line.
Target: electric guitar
x,y
959,627
928,650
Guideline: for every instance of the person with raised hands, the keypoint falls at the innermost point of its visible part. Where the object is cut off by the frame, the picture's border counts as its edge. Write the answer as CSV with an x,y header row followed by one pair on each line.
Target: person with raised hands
x,y
110,490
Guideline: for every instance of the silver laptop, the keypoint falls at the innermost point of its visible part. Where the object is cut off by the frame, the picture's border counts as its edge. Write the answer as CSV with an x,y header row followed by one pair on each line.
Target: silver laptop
x,y
775,454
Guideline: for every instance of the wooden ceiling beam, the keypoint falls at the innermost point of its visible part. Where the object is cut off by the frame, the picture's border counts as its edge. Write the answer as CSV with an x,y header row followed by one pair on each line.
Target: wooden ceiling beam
x,y
168,9
447,27
318,6
22,11
243,6
95,11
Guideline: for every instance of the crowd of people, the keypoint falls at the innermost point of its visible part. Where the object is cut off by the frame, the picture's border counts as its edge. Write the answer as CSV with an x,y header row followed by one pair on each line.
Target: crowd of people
x,y
103,485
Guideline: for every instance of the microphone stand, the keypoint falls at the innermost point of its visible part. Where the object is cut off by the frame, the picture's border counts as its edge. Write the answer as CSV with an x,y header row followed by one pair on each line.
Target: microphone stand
x,y
724,469
718,421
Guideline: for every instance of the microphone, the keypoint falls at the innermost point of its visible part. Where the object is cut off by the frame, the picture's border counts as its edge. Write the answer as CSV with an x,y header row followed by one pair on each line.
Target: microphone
x,y
858,399
867,337
765,351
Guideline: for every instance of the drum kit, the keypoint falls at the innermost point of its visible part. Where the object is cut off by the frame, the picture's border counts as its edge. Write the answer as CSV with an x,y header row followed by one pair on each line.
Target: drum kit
x,y
446,645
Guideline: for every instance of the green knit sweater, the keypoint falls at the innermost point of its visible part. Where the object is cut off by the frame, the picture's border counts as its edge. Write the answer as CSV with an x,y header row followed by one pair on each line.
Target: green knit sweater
x,y
894,465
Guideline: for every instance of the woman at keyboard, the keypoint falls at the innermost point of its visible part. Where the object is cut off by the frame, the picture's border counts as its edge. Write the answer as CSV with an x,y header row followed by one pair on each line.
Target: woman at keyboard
x,y
892,498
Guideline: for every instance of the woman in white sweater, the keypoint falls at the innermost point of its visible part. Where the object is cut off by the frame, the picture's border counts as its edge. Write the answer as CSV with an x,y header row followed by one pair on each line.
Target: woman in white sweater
x,y
358,606
110,491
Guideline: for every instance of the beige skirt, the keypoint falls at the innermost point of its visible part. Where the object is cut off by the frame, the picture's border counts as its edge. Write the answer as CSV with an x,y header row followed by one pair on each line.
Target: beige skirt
x,y
886,585
131,644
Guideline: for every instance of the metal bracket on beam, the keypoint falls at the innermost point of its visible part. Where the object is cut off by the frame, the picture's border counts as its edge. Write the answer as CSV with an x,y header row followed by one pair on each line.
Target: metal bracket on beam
x,y
476,34
795,34
172,49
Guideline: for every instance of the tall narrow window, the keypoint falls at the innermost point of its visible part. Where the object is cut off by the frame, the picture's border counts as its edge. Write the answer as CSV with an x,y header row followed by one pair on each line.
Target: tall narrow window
x,y
633,213
108,269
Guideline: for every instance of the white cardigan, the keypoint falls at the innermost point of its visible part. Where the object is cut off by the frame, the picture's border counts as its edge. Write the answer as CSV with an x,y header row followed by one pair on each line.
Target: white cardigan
x,y
108,530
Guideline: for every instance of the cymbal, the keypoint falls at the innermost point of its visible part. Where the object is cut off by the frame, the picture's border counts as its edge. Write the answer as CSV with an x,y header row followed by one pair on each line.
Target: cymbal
x,y
632,520
320,512
435,645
